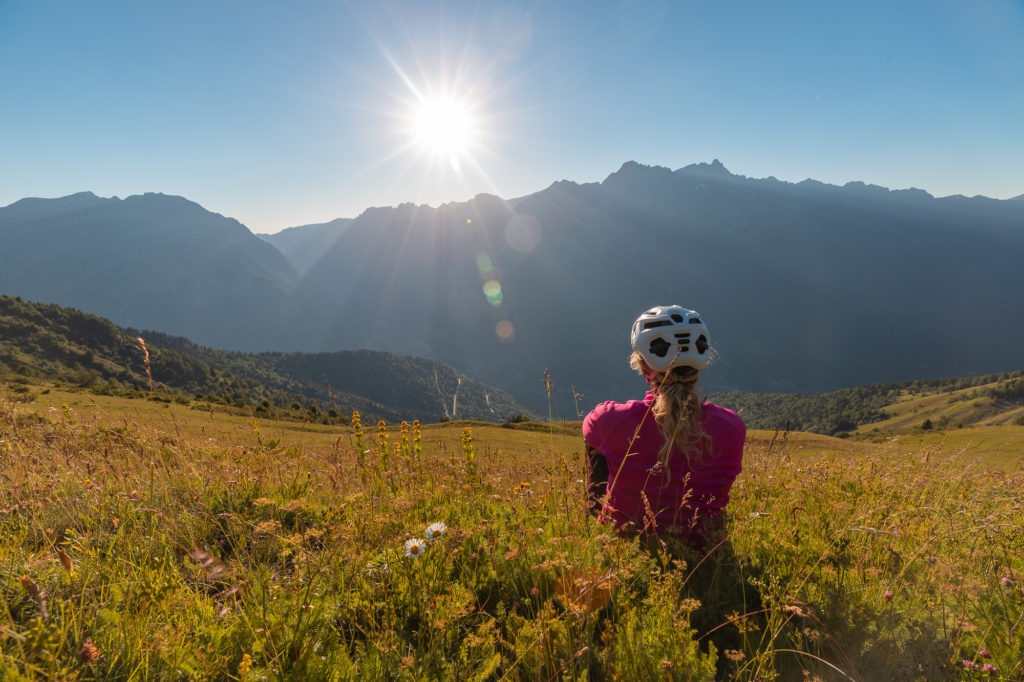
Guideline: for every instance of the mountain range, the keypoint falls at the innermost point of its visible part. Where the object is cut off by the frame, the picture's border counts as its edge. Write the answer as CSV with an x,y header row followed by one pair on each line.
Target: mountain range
x,y
806,287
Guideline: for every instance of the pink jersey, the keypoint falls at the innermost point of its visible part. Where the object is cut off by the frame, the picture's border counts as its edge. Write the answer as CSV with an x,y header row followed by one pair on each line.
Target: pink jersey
x,y
700,476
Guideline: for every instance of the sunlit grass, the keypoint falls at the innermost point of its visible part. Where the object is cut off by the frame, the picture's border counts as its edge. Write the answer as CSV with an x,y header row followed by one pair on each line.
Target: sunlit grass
x,y
164,541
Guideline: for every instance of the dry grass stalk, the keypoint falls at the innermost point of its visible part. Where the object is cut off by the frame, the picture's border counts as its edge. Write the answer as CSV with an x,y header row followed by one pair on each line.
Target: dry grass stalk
x,y
145,353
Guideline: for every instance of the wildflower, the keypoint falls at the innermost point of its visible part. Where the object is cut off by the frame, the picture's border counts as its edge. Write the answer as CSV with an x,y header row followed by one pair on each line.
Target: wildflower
x,y
689,605
436,530
406,449
88,653
734,655
989,668
984,653
270,527
1006,582
415,548
468,452
969,665
887,595
245,665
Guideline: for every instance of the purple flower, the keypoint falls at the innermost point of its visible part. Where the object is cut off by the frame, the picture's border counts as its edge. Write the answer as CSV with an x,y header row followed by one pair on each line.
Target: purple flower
x,y
887,595
1006,582
984,653
969,665
989,668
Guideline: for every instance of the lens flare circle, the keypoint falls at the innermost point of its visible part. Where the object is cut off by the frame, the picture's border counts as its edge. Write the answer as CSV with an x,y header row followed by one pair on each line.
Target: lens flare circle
x,y
492,290
505,331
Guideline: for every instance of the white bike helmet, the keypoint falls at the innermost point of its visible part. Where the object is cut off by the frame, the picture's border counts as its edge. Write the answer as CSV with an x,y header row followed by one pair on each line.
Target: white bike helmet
x,y
671,336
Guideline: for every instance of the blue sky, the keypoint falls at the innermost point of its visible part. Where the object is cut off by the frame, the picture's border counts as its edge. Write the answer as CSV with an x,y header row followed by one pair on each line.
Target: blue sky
x,y
286,113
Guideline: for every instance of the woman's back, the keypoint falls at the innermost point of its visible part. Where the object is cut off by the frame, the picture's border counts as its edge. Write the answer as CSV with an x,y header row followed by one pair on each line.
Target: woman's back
x,y
693,487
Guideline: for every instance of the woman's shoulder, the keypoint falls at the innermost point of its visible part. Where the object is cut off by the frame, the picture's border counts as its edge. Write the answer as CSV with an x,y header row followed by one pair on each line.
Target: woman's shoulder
x,y
611,410
721,418
607,416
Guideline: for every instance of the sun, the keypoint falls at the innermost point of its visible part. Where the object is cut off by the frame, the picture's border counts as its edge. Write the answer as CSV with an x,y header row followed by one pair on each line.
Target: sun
x,y
444,127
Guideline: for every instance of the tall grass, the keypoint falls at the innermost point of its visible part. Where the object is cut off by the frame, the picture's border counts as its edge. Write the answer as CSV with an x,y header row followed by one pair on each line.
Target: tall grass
x,y
138,551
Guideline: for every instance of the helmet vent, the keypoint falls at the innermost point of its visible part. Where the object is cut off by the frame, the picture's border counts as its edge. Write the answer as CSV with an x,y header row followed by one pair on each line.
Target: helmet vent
x,y
656,323
677,317
683,335
660,347
694,320
702,344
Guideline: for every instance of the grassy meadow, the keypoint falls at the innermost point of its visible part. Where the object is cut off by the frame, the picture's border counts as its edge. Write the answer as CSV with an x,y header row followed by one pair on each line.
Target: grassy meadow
x,y
148,540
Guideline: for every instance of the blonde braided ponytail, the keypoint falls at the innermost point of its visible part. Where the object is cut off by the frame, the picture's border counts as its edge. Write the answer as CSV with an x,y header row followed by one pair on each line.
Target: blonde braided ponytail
x,y
677,406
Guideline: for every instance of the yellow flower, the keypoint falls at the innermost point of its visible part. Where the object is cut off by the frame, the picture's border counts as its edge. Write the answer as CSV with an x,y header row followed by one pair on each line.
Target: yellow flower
x,y
245,665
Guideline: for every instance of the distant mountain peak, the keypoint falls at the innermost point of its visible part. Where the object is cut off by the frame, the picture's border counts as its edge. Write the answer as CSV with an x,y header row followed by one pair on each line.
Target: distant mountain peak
x,y
634,167
631,170
561,184
716,167
71,202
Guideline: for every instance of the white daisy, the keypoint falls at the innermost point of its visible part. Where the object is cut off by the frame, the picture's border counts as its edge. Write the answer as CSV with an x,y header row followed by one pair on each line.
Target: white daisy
x,y
436,530
415,548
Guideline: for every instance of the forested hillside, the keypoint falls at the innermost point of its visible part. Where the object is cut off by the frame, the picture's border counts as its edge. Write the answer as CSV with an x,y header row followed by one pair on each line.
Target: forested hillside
x,y
410,385
48,341
849,408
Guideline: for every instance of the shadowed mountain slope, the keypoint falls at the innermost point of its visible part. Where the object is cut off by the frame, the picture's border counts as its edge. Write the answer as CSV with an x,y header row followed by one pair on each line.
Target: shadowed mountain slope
x,y
151,261
806,287
304,245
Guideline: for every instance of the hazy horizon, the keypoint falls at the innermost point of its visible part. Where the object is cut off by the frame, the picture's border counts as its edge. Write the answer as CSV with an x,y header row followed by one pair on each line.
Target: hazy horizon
x,y
272,230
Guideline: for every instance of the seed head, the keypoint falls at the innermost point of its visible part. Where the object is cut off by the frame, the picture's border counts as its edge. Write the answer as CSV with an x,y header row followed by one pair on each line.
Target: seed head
x,y
88,653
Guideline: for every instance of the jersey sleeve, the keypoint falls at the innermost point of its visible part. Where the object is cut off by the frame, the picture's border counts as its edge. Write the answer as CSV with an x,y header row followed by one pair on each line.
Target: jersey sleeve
x,y
595,427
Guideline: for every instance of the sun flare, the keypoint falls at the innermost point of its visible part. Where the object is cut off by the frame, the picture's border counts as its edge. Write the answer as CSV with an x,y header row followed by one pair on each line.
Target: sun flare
x,y
444,127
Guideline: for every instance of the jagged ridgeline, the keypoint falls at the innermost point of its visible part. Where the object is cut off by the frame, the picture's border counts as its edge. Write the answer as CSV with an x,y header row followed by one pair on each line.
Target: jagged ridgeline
x,y
53,342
